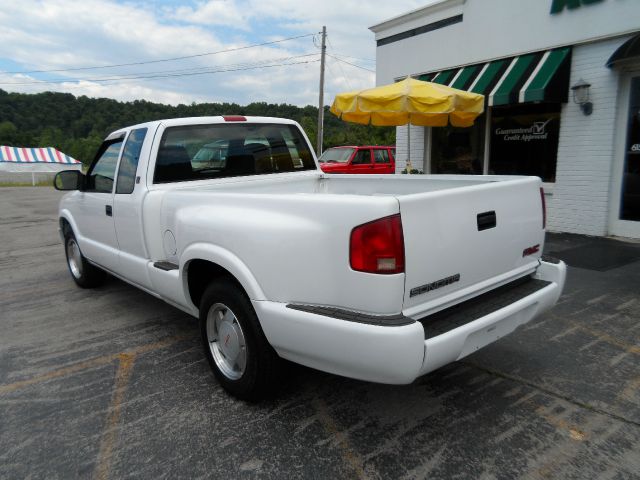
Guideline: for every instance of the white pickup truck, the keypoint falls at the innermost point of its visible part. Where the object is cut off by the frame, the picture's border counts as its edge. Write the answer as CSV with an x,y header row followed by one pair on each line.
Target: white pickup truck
x,y
380,278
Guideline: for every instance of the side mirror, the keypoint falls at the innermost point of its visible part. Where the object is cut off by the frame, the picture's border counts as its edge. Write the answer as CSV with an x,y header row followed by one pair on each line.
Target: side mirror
x,y
68,180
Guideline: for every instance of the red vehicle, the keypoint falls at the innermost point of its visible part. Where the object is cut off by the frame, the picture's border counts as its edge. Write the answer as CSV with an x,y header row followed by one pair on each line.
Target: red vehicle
x,y
365,159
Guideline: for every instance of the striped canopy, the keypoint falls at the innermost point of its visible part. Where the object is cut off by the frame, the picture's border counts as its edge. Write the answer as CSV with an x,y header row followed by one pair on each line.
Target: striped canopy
x,y
534,77
35,155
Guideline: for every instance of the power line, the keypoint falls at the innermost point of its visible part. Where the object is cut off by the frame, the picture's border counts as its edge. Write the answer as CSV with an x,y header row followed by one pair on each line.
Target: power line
x,y
365,60
340,65
177,73
333,76
115,79
352,64
235,49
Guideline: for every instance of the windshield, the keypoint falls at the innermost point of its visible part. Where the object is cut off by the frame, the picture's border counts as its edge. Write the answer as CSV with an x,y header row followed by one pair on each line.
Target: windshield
x,y
336,155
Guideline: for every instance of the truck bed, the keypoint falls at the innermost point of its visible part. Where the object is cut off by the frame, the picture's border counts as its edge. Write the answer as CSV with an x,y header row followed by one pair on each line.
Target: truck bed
x,y
463,235
344,184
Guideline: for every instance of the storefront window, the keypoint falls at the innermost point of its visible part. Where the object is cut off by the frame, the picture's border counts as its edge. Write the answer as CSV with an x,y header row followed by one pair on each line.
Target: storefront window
x,y
458,150
524,140
630,206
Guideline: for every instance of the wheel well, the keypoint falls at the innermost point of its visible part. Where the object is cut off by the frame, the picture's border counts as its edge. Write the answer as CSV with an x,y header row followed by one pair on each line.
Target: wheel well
x,y
200,273
65,226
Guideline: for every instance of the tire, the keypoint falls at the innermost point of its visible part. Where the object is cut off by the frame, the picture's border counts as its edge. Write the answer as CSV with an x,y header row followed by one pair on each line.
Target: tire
x,y
83,273
246,365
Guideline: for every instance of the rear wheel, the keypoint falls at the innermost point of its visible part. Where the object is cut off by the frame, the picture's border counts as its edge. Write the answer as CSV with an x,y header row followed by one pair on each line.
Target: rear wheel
x,y
239,354
83,273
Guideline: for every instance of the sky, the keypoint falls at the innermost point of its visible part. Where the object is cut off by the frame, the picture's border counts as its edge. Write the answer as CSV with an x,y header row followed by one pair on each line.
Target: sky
x,y
218,36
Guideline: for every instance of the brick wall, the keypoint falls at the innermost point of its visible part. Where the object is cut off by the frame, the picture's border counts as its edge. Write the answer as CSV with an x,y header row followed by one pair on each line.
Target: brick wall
x,y
581,194
417,148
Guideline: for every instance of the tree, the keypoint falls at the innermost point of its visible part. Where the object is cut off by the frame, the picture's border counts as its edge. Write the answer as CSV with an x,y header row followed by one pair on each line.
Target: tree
x,y
77,125
8,133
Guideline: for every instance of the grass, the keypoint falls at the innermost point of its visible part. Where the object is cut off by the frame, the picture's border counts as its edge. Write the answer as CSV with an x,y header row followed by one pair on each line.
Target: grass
x,y
47,183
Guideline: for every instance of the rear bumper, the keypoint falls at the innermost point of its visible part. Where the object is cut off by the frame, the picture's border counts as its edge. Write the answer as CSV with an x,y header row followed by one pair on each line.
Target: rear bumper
x,y
364,347
469,337
384,354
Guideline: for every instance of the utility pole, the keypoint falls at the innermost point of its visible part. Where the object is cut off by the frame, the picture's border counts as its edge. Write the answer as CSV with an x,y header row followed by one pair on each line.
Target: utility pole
x,y
321,99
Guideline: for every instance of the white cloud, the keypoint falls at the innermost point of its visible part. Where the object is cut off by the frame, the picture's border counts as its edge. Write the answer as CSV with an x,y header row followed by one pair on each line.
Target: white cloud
x,y
49,34
214,12
123,91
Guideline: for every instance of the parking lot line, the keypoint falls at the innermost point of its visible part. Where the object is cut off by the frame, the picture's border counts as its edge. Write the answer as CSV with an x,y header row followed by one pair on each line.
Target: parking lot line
x,y
329,424
110,433
126,362
605,337
552,393
561,424
627,304
630,390
91,363
62,372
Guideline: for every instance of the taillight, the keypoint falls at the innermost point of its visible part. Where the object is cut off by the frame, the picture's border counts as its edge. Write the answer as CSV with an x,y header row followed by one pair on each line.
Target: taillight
x,y
378,246
234,118
544,209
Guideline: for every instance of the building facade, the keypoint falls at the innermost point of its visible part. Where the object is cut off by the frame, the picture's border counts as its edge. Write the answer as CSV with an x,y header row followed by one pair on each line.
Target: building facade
x,y
561,79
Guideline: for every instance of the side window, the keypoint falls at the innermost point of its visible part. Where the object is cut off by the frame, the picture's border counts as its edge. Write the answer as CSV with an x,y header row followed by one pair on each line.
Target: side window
x,y
362,157
129,162
381,156
101,174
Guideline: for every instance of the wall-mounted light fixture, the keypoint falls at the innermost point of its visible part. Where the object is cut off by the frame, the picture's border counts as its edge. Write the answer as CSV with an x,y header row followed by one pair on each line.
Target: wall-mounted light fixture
x,y
581,96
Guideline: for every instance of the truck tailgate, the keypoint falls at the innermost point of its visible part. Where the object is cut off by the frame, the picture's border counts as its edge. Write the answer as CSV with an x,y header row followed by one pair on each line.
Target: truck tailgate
x,y
464,241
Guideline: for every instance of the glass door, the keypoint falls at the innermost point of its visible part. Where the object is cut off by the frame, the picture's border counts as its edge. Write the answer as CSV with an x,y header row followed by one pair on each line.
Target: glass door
x,y
626,218
458,150
630,199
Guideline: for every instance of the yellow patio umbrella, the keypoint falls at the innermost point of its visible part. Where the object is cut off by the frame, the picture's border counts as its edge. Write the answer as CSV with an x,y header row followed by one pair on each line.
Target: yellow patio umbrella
x,y
411,102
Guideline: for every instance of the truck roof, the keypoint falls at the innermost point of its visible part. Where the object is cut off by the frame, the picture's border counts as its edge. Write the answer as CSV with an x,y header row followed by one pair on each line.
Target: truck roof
x,y
204,121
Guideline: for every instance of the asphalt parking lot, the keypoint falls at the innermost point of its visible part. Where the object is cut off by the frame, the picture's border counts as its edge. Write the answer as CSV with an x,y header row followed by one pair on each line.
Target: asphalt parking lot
x,y
111,383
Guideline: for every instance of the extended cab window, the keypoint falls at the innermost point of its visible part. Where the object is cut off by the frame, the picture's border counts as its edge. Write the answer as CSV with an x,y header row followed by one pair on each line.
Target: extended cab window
x,y
101,174
198,152
129,161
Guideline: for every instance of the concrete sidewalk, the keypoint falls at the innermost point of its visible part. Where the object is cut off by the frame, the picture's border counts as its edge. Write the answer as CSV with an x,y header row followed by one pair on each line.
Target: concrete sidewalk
x,y
593,253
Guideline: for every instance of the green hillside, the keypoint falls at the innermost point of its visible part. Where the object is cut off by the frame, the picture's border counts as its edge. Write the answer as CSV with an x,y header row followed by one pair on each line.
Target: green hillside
x,y
77,125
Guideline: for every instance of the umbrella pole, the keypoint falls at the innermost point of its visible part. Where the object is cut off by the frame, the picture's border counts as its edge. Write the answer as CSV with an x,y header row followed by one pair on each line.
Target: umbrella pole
x,y
409,147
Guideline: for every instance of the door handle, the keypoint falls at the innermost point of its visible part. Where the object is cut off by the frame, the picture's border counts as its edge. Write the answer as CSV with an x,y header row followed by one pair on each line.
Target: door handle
x,y
108,210
486,220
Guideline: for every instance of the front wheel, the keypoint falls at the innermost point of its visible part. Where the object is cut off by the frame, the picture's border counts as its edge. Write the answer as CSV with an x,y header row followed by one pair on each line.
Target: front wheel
x,y
239,354
83,273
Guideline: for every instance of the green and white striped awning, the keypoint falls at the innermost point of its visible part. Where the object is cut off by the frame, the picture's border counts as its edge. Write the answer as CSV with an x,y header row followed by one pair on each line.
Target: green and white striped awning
x,y
534,77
